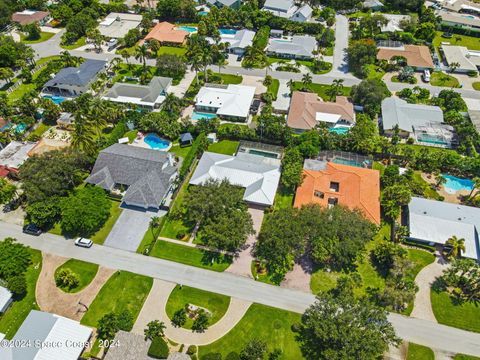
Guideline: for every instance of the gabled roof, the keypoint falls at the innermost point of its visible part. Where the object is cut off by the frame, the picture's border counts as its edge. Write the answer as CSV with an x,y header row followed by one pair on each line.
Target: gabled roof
x,y
359,188
146,172
26,17
227,3
396,111
257,174
79,76
437,221
150,94
186,137
304,108
416,55
278,5
461,55
166,32
300,45
232,100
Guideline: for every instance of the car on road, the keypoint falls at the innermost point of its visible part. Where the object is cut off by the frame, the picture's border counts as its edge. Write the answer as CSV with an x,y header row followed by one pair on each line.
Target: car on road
x,y
32,229
82,242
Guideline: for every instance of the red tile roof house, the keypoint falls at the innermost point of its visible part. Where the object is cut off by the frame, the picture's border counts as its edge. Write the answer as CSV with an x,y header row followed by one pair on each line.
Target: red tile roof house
x,y
26,17
417,56
307,110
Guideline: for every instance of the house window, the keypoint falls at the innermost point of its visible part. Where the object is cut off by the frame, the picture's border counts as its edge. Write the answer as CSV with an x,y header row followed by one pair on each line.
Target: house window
x,y
334,186
319,194
332,201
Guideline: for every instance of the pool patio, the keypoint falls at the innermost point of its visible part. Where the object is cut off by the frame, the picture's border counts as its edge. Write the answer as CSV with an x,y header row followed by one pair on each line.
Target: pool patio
x,y
139,141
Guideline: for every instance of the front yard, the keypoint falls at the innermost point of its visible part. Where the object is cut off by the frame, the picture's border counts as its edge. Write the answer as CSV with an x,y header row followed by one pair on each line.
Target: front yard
x,y
44,36
85,272
416,352
123,291
439,78
321,89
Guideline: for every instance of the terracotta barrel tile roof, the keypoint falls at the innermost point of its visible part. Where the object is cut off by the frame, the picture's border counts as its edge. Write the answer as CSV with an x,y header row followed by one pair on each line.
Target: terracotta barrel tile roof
x,y
359,188
416,55
166,32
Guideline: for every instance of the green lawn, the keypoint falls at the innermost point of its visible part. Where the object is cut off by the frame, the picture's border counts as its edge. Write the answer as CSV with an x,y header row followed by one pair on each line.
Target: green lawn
x,y
273,88
374,72
264,323
18,311
419,352
465,357
173,228
44,36
180,151
265,277
471,42
20,91
428,192
465,316
40,129
86,273
283,198
123,291
47,59
321,89
172,50
420,259
439,78
216,304
190,256
76,44
230,79
101,235
132,71
227,147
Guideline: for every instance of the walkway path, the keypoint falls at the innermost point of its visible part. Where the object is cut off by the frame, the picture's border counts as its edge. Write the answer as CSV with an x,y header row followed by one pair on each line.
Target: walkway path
x,y
182,87
422,308
283,97
242,265
154,309
299,277
419,331
50,298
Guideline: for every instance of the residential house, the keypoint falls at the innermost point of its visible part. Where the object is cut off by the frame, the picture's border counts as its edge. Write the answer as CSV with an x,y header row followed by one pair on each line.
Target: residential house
x,y
307,111
26,17
431,221
467,60
15,154
39,331
233,4
142,4
374,5
186,139
144,177
295,47
461,6
167,33
238,42
416,56
4,124
149,97
463,21
394,22
288,10
74,81
228,102
422,122
259,175
6,299
117,25
329,184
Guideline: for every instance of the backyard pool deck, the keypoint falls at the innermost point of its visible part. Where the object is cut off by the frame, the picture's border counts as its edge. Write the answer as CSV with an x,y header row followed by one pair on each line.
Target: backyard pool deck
x,y
451,198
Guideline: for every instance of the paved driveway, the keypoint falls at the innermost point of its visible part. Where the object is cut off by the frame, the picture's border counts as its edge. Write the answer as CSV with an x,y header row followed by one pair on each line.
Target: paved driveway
x,y
128,231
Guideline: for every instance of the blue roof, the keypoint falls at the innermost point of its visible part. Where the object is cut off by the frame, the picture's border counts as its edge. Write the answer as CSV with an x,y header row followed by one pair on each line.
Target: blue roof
x,y
80,76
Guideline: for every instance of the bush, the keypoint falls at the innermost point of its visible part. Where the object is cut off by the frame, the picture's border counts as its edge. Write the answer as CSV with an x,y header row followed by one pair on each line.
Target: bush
x,y
192,349
198,146
472,73
66,278
179,317
17,285
158,349
125,320
212,356
232,356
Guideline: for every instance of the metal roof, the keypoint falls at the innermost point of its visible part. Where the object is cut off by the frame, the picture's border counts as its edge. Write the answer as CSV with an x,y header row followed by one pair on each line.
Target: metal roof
x,y
299,45
257,174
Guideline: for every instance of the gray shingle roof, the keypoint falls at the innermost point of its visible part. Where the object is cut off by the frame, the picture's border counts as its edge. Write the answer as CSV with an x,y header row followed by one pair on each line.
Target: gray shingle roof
x,y
146,93
186,137
301,45
396,111
146,172
80,76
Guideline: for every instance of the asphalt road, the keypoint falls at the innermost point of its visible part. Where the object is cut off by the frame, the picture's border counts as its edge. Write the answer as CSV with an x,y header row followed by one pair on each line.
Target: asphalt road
x,y
415,330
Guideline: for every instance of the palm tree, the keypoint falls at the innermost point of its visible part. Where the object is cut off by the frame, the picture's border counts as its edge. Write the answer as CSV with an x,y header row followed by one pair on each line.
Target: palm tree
x,y
82,135
155,223
141,53
68,59
6,74
125,55
440,180
306,81
207,58
154,46
475,187
291,85
335,89
221,62
115,63
457,246
171,104
454,66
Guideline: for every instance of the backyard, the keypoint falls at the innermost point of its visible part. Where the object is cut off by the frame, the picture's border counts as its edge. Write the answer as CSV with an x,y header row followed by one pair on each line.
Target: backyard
x,y
183,296
471,42
226,147
283,198
18,311
260,322
85,272
123,291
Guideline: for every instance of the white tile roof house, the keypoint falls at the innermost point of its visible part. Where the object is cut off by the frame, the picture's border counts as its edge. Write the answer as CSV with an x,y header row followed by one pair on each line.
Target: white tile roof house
x,y
231,101
257,174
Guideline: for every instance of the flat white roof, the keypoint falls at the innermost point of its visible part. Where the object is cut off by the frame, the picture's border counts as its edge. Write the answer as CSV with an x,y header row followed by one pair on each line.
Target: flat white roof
x,y
14,154
327,117
117,25
234,100
468,60
5,298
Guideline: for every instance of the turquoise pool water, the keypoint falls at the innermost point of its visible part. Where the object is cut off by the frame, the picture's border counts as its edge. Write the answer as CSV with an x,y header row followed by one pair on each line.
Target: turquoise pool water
x,y
190,29
20,128
455,184
56,99
431,139
343,161
339,130
227,31
203,13
200,115
156,142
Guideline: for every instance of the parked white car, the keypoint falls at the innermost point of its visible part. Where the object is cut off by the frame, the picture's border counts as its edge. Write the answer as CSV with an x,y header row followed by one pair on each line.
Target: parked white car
x,y
82,242
426,75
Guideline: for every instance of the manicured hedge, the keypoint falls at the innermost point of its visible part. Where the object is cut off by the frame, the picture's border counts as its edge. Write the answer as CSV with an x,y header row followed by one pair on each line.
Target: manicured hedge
x,y
197,148
158,349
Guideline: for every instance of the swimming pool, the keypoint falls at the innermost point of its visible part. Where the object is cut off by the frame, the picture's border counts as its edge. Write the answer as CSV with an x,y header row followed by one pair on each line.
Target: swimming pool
x,y
431,139
190,29
227,31
56,99
343,161
20,128
200,115
203,13
157,143
454,184
263,153
339,130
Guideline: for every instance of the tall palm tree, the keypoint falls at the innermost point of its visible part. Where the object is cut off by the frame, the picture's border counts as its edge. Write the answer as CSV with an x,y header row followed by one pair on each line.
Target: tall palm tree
x,y
475,187
457,246
141,53
207,59
291,85
155,223
335,89
306,80
68,59
82,135
154,46
125,55
171,104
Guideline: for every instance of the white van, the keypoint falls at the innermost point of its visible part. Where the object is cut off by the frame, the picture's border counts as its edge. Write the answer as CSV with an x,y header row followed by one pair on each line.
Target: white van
x,y
426,75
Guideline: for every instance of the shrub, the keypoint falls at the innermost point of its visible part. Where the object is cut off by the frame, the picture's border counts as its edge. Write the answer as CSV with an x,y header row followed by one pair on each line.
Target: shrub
x,y
179,317
66,278
200,324
212,356
125,320
198,146
232,356
17,285
158,349
192,349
